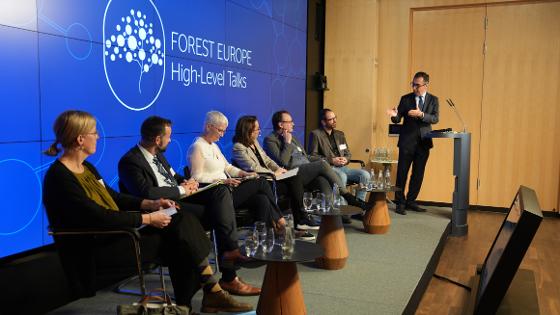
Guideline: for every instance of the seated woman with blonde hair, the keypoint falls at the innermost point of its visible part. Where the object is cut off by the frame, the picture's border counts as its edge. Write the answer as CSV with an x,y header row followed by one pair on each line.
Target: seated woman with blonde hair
x,y
75,196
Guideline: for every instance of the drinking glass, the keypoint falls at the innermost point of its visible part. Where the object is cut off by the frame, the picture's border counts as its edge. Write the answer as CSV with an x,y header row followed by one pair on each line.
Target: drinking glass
x,y
337,202
289,220
307,201
288,242
251,245
260,232
268,244
320,201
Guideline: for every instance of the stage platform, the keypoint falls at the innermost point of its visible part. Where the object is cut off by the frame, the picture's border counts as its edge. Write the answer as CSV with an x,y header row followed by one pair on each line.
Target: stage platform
x,y
384,274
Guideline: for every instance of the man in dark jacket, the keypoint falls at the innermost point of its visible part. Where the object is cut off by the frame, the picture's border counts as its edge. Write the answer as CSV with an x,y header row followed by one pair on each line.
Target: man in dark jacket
x,y
420,110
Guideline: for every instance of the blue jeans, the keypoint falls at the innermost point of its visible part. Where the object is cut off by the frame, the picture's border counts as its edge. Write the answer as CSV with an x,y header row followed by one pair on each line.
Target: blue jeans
x,y
354,176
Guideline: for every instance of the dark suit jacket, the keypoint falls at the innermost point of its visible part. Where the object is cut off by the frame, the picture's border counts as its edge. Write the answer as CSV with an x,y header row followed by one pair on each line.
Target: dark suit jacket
x,y
137,178
414,130
281,152
320,145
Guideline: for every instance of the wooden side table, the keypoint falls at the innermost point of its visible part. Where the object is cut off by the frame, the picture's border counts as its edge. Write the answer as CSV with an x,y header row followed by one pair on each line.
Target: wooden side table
x,y
281,289
377,220
332,239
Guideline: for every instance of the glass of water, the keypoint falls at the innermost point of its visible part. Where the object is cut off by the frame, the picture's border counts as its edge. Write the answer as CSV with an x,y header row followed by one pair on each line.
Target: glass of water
x,y
288,242
251,245
307,201
321,201
268,244
260,232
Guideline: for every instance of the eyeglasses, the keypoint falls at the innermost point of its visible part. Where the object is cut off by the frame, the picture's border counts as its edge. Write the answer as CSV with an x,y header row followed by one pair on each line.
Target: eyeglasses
x,y
288,121
219,130
330,119
417,85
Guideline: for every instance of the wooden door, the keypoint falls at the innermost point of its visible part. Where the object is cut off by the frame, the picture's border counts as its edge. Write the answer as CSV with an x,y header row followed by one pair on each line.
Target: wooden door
x,y
520,140
448,45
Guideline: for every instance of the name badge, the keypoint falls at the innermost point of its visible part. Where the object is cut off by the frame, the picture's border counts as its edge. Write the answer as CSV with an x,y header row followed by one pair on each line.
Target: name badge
x,y
299,149
342,147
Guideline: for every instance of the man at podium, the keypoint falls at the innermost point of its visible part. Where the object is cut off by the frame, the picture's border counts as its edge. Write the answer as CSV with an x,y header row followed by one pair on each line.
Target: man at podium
x,y
420,110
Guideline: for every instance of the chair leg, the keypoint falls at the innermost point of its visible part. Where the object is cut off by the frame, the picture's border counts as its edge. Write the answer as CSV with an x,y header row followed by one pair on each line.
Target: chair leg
x,y
162,279
216,255
119,288
139,268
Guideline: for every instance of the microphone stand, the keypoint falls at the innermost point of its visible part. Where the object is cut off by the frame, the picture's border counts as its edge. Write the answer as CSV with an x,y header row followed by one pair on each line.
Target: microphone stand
x,y
452,105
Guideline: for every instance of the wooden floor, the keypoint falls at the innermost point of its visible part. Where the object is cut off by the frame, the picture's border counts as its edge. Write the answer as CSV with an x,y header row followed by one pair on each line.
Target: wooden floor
x,y
461,255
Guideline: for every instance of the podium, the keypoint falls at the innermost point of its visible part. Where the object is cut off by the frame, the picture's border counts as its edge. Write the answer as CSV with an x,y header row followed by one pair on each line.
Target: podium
x,y
461,172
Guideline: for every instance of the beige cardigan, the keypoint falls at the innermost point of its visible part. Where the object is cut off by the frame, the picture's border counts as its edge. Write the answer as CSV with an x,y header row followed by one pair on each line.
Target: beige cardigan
x,y
244,158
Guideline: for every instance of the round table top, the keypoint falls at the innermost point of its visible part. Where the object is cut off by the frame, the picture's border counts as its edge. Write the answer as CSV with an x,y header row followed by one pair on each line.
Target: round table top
x,y
392,188
344,210
303,252
384,161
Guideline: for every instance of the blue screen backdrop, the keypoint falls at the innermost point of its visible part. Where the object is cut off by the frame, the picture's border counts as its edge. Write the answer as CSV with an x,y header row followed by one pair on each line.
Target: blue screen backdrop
x,y
124,60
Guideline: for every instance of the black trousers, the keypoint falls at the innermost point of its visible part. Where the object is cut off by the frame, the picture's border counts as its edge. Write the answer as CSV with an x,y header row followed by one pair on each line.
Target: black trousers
x,y
417,156
183,245
257,196
217,213
292,188
214,207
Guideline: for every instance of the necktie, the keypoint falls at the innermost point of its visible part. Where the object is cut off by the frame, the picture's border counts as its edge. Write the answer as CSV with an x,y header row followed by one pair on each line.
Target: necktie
x,y
166,176
421,102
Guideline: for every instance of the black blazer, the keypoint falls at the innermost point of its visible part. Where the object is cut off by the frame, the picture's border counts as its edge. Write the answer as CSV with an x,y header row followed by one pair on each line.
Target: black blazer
x,y
68,206
414,130
137,178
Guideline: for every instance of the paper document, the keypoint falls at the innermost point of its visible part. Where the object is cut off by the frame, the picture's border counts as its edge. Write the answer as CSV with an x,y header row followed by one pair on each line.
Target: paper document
x,y
170,211
288,174
209,186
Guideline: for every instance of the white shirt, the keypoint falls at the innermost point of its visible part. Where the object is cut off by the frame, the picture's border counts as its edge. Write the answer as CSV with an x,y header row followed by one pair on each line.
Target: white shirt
x,y
208,164
159,177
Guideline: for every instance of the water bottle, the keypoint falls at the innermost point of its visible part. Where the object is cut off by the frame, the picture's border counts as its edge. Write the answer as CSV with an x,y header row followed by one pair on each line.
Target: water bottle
x,y
387,178
371,183
380,180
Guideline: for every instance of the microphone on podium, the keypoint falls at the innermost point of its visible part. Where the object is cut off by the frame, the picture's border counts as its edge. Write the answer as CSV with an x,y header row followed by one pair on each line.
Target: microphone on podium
x,y
452,105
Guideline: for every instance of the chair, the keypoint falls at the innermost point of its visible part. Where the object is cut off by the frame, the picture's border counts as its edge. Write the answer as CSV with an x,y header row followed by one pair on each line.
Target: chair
x,y
134,236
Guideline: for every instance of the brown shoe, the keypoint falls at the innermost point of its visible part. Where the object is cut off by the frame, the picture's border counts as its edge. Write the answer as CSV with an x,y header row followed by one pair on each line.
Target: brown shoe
x,y
235,256
239,287
221,301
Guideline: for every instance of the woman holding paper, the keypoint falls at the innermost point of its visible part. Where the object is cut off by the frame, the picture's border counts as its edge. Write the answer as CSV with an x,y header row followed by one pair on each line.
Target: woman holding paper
x,y
75,196
209,165
249,156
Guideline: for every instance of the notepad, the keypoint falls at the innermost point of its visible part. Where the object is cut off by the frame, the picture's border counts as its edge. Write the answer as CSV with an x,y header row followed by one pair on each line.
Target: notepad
x,y
209,186
288,174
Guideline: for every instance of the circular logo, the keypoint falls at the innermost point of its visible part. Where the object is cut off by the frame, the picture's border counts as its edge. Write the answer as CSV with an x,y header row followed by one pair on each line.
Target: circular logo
x,y
134,52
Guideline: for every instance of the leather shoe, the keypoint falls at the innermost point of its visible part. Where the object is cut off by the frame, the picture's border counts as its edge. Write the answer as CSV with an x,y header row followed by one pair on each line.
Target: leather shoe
x,y
353,201
239,287
400,210
234,256
415,207
221,301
